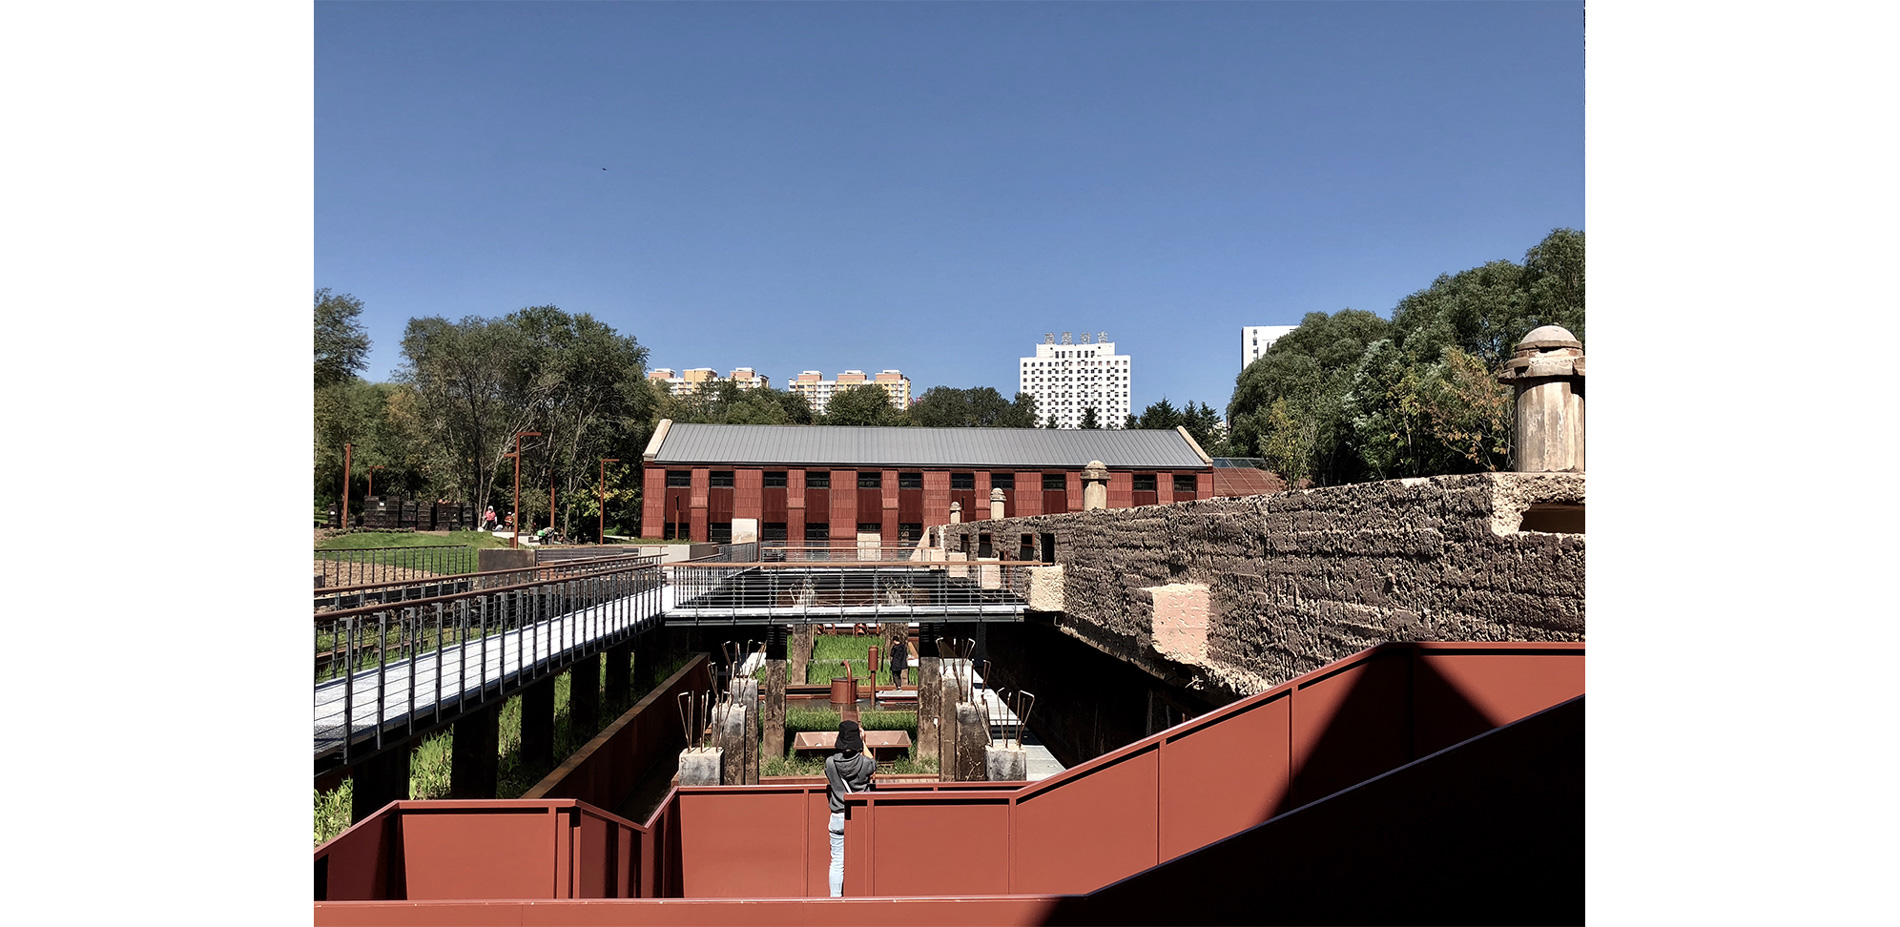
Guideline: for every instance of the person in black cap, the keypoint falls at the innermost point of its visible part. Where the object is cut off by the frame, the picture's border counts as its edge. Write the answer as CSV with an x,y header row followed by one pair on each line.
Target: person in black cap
x,y
846,771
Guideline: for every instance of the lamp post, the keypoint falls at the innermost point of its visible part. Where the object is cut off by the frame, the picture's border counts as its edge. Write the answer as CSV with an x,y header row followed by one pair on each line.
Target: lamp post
x,y
514,536
346,485
604,461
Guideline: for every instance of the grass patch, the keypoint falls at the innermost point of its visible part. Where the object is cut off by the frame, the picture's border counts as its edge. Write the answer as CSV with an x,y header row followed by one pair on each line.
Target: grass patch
x,y
828,650
360,540
801,719
432,759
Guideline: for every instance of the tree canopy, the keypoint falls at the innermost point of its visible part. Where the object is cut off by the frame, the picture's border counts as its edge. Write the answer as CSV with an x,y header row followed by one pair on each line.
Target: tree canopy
x,y
1349,396
866,404
342,346
976,407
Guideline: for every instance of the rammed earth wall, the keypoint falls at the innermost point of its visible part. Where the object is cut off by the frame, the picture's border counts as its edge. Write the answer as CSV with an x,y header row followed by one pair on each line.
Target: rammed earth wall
x,y
1298,579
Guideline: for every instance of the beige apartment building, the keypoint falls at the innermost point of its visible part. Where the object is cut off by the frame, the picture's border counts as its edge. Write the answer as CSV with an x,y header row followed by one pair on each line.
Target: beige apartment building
x,y
691,381
817,390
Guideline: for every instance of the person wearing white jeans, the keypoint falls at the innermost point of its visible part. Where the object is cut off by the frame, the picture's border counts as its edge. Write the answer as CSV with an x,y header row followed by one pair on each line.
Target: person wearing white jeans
x,y
846,772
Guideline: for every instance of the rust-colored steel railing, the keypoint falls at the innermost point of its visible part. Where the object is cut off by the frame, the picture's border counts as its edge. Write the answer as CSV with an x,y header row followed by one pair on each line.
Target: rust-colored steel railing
x,y
363,565
774,591
1128,811
396,669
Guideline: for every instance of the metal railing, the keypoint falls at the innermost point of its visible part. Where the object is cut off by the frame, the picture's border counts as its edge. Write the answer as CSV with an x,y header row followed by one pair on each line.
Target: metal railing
x,y
396,669
848,590
351,567
779,552
340,597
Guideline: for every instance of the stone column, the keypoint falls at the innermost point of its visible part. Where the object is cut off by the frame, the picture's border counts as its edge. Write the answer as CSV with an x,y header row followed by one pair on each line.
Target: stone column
x,y
701,766
729,727
956,513
997,501
799,655
972,740
929,705
474,766
772,712
1547,373
745,694
1094,486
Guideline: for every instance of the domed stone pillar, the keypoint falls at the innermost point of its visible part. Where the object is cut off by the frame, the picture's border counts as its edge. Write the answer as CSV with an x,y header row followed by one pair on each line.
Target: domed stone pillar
x,y
1547,373
1094,486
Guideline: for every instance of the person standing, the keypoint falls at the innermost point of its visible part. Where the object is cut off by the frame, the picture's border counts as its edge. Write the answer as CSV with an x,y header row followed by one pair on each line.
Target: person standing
x,y
847,771
900,661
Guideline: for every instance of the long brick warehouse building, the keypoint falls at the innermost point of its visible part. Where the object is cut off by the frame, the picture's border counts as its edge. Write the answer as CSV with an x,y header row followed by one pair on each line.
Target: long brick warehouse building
x,y
835,485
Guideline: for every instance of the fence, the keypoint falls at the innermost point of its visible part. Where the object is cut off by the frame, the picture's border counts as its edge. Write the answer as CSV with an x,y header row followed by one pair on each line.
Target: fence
x,y
341,597
398,669
847,590
1126,812
380,564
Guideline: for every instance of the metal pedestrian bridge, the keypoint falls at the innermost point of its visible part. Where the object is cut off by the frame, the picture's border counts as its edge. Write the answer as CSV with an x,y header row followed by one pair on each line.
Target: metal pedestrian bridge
x,y
396,659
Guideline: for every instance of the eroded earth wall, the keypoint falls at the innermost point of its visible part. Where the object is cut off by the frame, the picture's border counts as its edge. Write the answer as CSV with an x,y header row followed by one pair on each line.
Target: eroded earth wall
x,y
1298,579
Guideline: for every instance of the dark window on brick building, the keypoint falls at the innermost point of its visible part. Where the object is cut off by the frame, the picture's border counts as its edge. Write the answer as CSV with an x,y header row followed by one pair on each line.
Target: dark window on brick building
x,y
1002,481
772,531
679,477
983,548
962,481
820,532
1054,482
1027,549
1184,484
870,527
817,479
719,478
910,481
1144,482
908,532
719,532
775,479
870,480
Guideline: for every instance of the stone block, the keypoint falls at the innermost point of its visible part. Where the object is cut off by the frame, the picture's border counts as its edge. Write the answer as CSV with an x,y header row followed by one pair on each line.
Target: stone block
x,y
701,765
1005,764
1179,621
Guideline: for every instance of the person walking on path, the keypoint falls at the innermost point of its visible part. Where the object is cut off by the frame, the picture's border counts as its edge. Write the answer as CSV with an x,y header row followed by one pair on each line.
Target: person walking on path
x,y
900,661
846,771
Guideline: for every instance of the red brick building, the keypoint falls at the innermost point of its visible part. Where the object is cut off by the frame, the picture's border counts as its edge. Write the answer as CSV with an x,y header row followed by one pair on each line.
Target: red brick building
x,y
820,485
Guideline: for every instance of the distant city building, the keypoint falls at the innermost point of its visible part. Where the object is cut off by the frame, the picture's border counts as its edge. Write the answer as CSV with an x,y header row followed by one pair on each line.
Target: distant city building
x,y
1256,339
697,378
817,390
1068,379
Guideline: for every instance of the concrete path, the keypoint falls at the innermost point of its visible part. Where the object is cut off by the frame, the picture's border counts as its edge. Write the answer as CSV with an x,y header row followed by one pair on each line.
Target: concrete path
x,y
445,677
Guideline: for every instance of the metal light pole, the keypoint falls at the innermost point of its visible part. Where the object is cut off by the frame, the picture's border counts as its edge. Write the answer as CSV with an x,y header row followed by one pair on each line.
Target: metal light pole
x,y
514,537
346,486
372,483
604,461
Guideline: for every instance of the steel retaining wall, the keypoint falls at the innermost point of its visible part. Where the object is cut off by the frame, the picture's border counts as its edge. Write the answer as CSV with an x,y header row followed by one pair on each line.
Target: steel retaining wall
x,y
605,771
1120,814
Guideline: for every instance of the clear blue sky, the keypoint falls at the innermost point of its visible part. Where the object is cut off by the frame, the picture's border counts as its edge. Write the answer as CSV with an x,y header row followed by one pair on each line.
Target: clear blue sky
x,y
931,187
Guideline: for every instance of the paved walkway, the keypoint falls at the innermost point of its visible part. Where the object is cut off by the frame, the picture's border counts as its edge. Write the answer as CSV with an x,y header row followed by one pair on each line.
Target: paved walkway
x,y
441,679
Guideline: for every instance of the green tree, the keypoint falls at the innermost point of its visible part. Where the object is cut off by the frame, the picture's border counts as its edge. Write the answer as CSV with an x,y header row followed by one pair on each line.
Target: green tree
x,y
976,407
1311,369
861,405
342,346
1161,415
1089,419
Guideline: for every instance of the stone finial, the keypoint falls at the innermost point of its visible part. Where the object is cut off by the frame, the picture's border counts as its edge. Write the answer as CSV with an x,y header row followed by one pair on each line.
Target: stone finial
x,y
1094,486
1547,373
956,513
997,502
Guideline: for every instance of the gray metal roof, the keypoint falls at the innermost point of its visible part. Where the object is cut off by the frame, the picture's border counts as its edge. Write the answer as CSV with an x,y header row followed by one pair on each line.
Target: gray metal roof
x,y
857,446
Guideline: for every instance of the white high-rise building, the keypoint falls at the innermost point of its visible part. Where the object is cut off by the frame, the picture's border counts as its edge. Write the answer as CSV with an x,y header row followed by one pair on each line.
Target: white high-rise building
x,y
1067,378
1256,339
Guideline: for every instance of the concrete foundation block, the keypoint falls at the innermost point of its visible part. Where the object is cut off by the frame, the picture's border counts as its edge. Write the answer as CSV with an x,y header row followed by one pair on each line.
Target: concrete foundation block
x,y
701,765
972,740
1006,764
1179,621
1045,589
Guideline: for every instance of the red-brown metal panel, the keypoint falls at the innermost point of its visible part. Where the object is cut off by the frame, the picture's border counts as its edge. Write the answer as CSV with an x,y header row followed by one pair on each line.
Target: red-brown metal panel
x,y
1121,489
936,497
742,842
358,860
936,845
1074,492
653,505
748,494
1351,724
461,852
1218,779
720,501
595,853
692,912
818,845
1027,499
1463,693
1091,830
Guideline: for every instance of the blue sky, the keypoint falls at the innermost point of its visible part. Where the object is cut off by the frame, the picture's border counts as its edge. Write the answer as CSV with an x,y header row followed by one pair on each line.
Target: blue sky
x,y
931,187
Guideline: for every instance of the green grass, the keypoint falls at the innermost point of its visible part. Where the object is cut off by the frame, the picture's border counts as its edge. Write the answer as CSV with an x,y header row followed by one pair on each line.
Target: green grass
x,y
828,650
802,719
358,540
431,761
